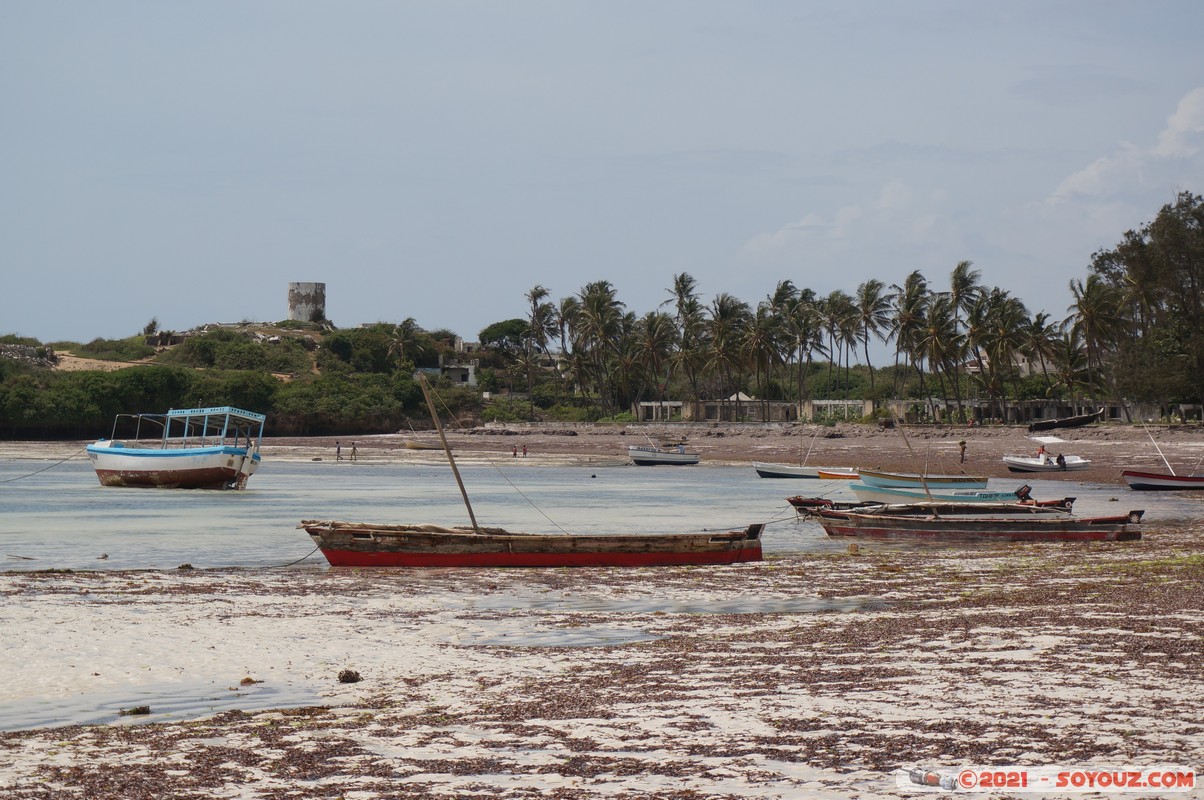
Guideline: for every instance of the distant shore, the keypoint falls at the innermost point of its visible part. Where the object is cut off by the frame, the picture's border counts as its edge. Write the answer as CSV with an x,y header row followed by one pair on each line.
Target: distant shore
x,y
933,449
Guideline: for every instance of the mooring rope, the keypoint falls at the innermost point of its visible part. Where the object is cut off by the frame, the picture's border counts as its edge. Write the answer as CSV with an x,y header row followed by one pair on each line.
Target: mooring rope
x,y
52,466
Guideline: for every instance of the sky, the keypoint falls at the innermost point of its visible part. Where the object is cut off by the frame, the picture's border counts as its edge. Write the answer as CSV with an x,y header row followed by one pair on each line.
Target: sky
x,y
185,162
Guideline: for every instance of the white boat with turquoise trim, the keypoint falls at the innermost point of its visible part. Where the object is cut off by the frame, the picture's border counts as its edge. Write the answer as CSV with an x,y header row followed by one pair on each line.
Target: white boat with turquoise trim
x,y
196,448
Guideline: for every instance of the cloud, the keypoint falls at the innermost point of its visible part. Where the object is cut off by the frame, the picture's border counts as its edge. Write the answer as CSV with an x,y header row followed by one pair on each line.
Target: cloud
x,y
893,208
1184,129
1133,168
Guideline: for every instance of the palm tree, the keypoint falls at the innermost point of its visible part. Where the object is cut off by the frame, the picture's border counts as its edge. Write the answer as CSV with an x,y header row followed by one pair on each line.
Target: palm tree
x,y
690,319
656,338
1070,362
541,327
403,341
1003,338
567,314
729,320
836,309
964,289
762,342
598,328
910,302
1098,316
873,312
1039,338
940,341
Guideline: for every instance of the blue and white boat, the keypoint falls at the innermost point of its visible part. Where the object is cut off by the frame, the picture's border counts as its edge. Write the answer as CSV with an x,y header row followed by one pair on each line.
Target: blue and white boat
x,y
196,448
914,480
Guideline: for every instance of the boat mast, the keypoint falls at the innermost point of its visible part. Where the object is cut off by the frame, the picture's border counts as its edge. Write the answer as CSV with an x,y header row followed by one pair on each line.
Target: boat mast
x,y
923,478
1156,447
426,392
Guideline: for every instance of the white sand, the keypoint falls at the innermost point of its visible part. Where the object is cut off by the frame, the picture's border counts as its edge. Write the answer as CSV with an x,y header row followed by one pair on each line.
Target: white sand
x,y
586,684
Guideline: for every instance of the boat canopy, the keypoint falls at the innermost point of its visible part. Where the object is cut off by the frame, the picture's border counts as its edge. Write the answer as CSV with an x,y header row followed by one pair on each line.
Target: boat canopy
x,y
184,427
214,423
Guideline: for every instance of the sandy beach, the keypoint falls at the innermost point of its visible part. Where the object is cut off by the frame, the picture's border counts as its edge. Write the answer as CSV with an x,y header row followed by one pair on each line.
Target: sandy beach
x,y
801,676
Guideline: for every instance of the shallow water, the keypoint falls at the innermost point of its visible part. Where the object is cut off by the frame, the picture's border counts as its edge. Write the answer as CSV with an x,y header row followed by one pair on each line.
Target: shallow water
x,y
165,703
62,518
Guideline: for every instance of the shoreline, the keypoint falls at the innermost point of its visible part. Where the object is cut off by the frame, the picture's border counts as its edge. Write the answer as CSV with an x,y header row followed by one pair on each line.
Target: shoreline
x,y
930,449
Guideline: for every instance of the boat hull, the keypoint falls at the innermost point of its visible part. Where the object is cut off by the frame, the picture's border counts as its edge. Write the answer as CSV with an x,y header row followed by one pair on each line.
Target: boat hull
x,y
794,471
186,468
1076,421
838,474
1161,481
654,456
893,494
1035,527
906,480
369,545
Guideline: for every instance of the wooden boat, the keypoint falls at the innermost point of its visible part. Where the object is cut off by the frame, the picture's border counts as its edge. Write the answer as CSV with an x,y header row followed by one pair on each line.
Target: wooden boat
x,y
1065,422
798,471
1146,481
348,544
1008,522
1045,463
1142,480
839,473
354,544
913,480
892,494
810,505
197,448
650,455
416,444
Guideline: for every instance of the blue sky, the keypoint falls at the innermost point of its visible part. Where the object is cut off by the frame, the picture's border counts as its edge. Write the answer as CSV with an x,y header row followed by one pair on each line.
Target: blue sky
x,y
437,160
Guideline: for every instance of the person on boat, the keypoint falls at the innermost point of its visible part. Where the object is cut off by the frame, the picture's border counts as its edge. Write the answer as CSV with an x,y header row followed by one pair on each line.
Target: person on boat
x,y
1061,460
681,447
1041,453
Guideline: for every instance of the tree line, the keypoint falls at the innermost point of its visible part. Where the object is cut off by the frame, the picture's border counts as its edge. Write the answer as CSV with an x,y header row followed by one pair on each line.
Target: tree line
x,y
1133,331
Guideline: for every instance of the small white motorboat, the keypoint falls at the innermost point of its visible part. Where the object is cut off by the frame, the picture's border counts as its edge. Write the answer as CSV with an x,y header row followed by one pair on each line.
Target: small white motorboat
x,y
1045,463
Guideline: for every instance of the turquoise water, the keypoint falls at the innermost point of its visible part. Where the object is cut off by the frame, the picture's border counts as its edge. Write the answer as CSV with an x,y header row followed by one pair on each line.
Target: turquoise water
x,y
63,519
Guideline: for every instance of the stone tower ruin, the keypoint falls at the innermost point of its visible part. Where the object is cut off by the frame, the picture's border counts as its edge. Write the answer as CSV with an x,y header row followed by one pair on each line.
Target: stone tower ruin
x,y
307,302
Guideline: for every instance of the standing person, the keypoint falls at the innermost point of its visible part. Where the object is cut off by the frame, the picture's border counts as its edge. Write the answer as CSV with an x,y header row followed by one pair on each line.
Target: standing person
x,y
353,451
514,451
338,451
962,446
524,451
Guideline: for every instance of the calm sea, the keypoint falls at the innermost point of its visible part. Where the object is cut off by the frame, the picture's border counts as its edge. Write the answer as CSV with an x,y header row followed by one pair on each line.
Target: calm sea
x,y
62,518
